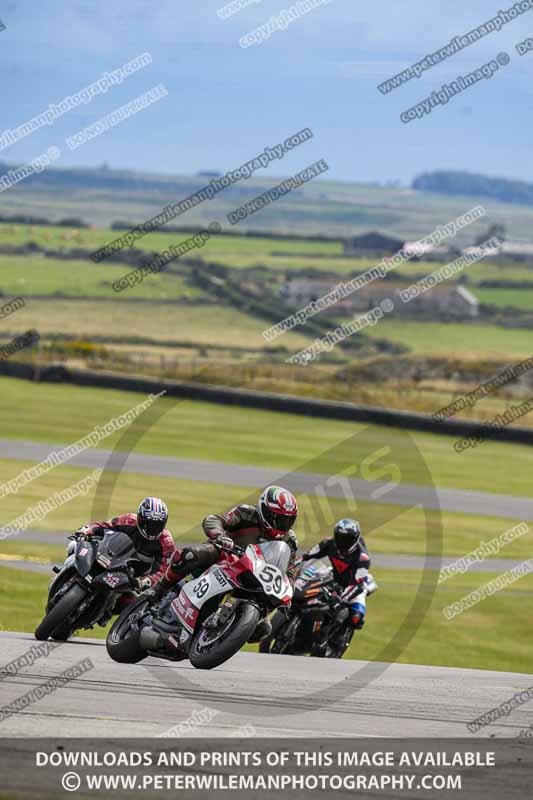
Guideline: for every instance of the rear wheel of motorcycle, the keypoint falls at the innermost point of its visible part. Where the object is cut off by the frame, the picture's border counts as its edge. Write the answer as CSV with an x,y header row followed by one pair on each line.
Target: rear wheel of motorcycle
x,y
209,656
55,619
120,646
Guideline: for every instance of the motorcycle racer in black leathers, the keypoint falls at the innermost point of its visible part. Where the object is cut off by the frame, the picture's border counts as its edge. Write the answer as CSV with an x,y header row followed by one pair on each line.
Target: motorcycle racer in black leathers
x,y
350,560
271,519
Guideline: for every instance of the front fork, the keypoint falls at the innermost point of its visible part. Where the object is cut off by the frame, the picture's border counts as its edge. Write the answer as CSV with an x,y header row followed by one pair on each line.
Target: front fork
x,y
223,612
153,638
61,590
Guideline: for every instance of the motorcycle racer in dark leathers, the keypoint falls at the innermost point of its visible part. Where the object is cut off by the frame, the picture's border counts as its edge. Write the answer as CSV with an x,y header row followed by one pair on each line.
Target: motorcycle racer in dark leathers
x,y
271,519
348,555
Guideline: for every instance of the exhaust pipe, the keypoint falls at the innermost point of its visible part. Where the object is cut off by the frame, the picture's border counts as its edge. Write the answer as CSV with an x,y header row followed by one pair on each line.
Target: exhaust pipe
x,y
150,639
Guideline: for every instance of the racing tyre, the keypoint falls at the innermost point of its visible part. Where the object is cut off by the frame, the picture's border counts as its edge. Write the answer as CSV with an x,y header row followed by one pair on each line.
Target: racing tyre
x,y
122,641
339,647
59,613
208,650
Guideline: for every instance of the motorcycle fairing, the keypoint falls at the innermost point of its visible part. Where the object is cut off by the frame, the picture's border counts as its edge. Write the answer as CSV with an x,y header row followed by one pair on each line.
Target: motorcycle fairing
x,y
184,608
196,593
271,578
222,577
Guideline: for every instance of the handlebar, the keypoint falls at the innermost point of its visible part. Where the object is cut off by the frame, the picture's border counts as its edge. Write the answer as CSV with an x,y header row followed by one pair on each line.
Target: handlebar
x,y
238,551
78,537
335,597
329,594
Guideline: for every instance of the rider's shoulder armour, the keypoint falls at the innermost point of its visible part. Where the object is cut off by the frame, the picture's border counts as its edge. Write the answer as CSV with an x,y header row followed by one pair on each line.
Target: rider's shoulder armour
x,y
247,512
125,519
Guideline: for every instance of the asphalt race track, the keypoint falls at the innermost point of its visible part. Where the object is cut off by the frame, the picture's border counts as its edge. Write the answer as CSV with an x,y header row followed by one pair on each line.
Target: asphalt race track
x,y
494,505
276,695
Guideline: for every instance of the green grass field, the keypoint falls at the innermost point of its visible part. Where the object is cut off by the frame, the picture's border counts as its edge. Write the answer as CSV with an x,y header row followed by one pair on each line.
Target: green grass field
x,y
501,298
240,252
197,324
213,324
289,263
59,238
231,435
459,339
22,599
476,272
32,275
488,636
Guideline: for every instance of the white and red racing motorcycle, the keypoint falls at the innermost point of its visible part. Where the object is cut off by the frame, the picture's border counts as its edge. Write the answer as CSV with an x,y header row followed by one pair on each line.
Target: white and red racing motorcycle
x,y
209,619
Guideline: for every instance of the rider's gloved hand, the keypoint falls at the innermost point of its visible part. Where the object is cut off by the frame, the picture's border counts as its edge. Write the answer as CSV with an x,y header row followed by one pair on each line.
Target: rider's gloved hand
x,y
142,583
154,593
351,592
225,541
81,533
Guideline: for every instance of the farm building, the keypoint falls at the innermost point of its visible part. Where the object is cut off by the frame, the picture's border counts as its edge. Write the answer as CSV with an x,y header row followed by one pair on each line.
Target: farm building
x,y
372,245
440,302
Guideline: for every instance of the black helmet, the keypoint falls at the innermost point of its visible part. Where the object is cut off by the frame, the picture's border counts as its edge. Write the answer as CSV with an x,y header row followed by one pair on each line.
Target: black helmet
x,y
152,516
347,534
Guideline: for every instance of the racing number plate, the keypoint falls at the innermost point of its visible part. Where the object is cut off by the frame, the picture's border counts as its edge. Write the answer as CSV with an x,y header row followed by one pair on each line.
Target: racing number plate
x,y
271,577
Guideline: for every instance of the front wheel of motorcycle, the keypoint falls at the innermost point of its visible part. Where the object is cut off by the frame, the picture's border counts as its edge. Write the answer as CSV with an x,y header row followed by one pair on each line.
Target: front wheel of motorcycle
x,y
210,650
338,649
59,613
122,641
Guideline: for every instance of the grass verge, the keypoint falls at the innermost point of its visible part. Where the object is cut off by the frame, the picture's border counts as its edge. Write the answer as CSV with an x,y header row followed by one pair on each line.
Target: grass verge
x,y
233,435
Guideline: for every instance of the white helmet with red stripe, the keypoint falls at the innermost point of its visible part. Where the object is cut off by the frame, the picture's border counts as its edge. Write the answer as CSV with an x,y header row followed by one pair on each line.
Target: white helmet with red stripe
x,y
152,517
277,509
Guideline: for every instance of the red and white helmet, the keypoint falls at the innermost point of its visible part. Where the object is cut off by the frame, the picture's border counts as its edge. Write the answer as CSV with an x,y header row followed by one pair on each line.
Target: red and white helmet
x,y
277,509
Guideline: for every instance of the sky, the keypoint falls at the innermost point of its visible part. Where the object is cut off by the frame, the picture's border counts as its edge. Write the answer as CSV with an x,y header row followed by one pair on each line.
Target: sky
x,y
226,103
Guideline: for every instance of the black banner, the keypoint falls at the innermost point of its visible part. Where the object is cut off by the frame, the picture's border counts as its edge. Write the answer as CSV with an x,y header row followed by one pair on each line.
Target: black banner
x,y
266,768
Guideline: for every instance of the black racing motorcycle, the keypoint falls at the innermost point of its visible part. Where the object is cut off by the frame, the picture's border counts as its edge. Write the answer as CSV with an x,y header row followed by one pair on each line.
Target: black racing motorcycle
x,y
87,586
318,621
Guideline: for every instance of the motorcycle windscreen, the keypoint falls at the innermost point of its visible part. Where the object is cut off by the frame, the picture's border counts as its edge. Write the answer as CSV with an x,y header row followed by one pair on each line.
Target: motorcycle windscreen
x,y
320,571
276,553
